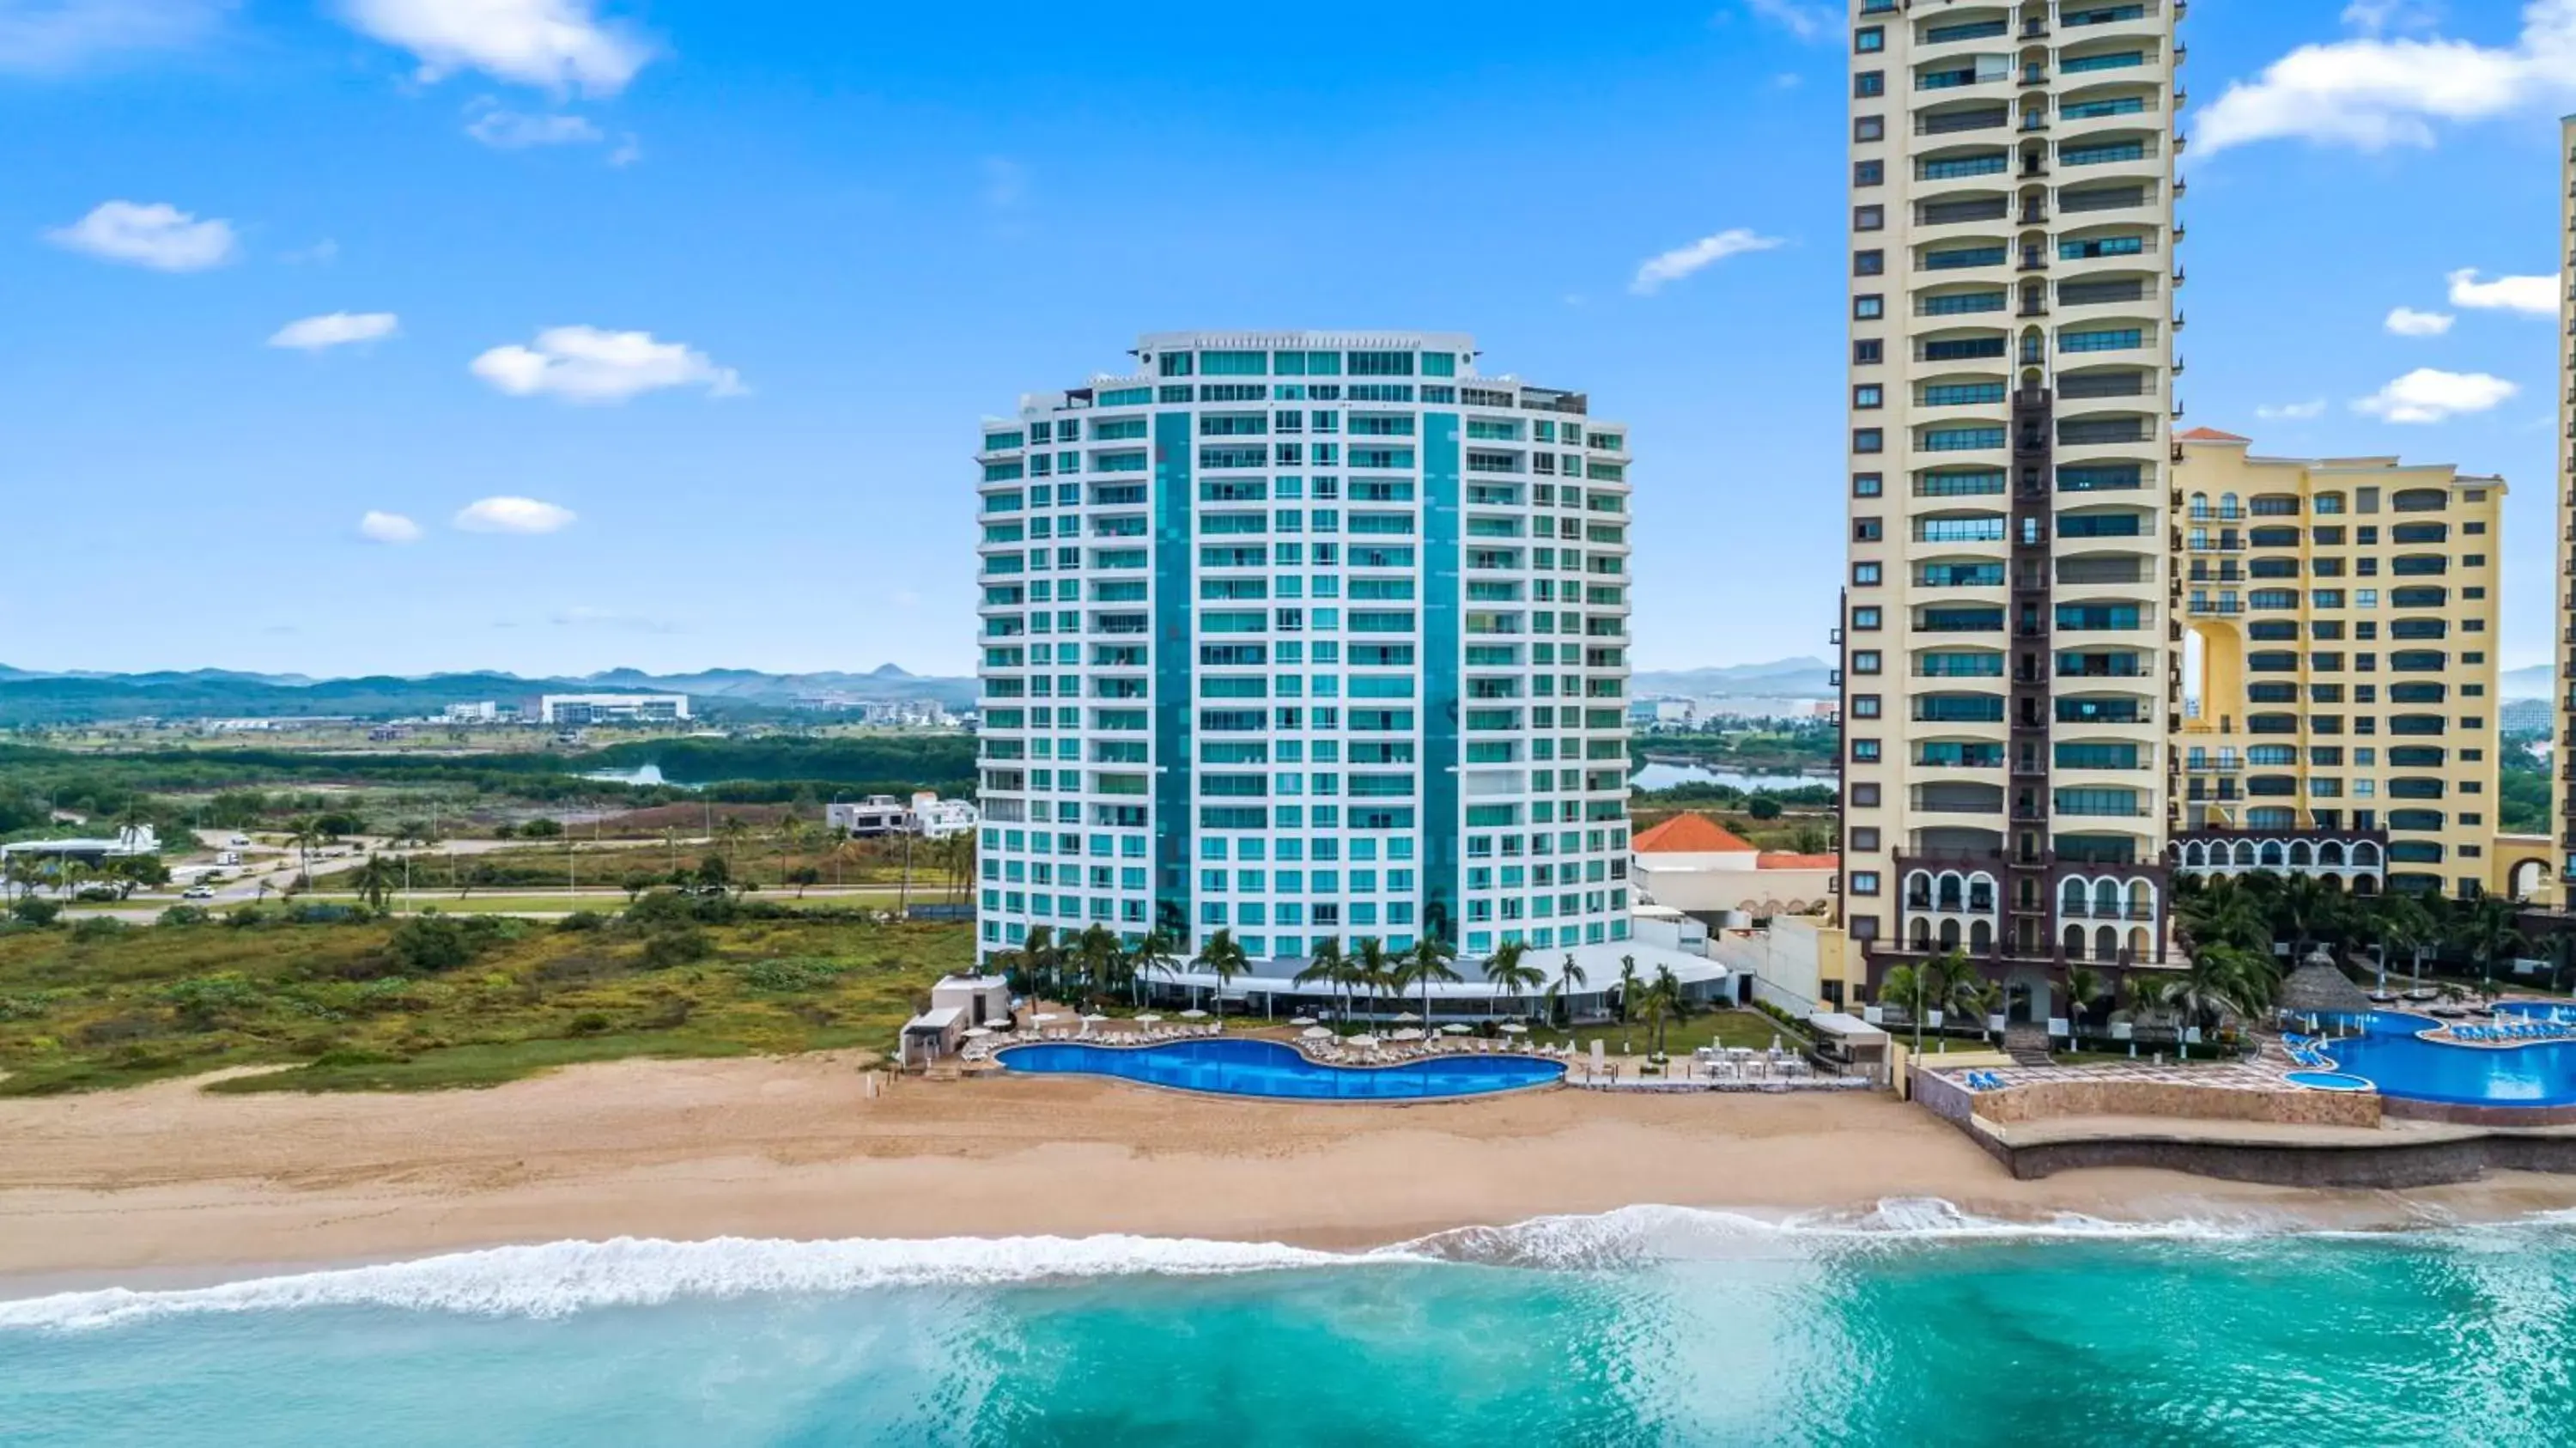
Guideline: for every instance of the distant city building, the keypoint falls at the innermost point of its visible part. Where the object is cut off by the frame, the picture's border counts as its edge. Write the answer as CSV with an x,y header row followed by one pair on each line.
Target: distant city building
x,y
927,815
485,712
581,709
128,842
878,814
2525,716
1665,713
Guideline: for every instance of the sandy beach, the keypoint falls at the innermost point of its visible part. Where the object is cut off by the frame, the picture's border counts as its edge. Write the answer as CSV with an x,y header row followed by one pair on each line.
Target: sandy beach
x,y
168,1178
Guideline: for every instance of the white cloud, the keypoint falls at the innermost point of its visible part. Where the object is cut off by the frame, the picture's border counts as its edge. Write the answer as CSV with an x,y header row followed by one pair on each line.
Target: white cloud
x,y
378,527
159,235
335,329
1682,261
627,153
513,515
61,35
2408,322
2537,296
515,131
2292,411
2373,92
585,364
562,45
2430,395
320,253
2375,16
1803,20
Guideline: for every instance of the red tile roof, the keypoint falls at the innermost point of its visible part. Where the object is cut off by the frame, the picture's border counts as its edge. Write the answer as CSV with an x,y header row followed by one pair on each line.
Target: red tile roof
x,y
2211,434
1782,860
1691,833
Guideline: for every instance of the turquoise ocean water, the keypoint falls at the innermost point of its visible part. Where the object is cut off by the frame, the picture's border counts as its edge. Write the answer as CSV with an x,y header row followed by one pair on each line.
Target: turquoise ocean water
x,y
1649,1326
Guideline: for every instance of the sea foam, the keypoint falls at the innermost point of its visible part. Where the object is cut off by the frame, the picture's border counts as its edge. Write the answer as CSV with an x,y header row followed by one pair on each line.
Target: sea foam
x,y
556,1279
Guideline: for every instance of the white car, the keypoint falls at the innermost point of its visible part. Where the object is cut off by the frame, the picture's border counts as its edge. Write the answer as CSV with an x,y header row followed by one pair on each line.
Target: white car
x,y
238,840
198,892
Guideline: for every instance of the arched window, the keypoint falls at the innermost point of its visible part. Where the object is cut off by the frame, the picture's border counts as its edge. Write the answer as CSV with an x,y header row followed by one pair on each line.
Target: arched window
x,y
2138,949
1949,935
2071,896
2142,900
2301,855
2106,899
1981,938
1981,893
2074,942
1949,895
2365,853
1918,934
1918,890
2272,856
2331,854
2106,942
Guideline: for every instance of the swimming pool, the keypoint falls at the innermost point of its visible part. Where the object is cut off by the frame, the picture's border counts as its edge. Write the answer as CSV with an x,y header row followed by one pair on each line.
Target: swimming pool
x,y
1266,1068
2392,1057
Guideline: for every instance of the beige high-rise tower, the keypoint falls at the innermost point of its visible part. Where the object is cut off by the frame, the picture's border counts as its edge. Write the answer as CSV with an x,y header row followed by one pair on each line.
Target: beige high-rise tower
x,y
2562,794
2010,626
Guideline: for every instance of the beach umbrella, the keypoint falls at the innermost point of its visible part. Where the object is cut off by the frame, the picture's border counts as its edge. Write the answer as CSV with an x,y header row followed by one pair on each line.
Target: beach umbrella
x,y
1149,1020
1194,1014
1456,1028
1513,1028
1301,1020
1402,1016
1407,1035
1043,1017
1093,1019
976,1033
1364,1042
1317,1033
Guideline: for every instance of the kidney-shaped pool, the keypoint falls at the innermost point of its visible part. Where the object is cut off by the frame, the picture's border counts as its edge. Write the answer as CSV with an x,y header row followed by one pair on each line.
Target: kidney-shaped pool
x,y
1266,1068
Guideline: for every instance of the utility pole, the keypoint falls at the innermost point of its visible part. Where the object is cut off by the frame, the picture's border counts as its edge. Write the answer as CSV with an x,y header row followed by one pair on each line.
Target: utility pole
x,y
903,891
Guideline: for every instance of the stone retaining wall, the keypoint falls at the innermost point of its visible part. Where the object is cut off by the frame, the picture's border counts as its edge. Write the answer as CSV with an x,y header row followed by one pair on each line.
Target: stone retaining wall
x,y
2116,1096
2381,1168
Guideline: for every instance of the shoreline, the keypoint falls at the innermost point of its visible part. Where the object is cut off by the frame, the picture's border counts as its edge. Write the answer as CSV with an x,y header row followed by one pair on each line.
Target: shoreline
x,y
165,1186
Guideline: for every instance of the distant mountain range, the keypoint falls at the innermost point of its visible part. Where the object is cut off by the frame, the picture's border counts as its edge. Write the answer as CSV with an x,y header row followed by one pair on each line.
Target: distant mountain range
x,y
2528,683
1798,678
87,696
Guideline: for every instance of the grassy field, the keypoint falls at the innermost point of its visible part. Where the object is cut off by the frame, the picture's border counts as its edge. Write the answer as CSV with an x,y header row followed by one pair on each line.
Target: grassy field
x,y
403,1005
1708,1028
539,902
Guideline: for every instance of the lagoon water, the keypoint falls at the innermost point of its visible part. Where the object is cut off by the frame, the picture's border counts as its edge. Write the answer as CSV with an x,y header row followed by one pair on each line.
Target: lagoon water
x,y
1910,1326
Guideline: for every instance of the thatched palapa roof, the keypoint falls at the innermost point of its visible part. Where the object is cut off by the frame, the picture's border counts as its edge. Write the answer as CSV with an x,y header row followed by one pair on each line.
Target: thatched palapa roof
x,y
2319,988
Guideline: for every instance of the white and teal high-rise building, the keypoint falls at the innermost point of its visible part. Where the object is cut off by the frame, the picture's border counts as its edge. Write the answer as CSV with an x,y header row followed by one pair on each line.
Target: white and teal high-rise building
x,y
1304,634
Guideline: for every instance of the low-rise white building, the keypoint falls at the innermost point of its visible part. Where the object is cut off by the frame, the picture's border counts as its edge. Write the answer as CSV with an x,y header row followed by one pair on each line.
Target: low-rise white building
x,y
1694,864
580,709
927,815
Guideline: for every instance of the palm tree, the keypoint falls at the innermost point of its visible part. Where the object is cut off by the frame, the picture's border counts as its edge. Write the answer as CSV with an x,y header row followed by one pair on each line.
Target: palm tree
x,y
1097,952
1222,956
1326,966
1372,969
1152,953
2486,930
2308,909
1039,957
1910,987
732,832
1426,962
1509,969
2221,981
1627,985
2225,912
1571,978
1665,1003
2404,924
304,834
2084,987
376,881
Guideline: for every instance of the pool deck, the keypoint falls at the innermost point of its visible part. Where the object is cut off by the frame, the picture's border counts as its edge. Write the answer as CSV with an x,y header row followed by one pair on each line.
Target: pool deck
x,y
2241,1122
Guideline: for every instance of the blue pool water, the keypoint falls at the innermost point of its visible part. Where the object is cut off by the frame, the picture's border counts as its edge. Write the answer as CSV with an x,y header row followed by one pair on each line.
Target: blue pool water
x,y
2327,1081
2389,1054
1655,1327
1266,1068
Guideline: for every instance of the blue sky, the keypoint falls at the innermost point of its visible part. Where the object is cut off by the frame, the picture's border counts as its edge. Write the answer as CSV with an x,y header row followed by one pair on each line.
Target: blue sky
x,y
717,292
